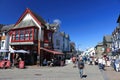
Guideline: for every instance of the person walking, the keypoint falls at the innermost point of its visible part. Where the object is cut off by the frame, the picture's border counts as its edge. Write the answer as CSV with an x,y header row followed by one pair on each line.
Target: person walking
x,y
81,66
45,62
103,63
74,61
100,62
117,64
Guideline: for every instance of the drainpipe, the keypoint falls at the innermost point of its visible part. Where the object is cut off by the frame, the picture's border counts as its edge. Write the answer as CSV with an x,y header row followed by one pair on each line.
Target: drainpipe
x,y
38,57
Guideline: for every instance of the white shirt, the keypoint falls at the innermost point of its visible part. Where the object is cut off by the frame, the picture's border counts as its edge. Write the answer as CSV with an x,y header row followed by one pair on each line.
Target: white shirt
x,y
100,60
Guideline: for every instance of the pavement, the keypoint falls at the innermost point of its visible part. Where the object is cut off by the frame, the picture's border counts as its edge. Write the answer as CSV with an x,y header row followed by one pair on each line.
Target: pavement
x,y
93,73
67,72
111,74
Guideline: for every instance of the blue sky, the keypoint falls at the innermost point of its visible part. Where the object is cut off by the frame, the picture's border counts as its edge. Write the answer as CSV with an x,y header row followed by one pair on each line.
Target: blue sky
x,y
86,21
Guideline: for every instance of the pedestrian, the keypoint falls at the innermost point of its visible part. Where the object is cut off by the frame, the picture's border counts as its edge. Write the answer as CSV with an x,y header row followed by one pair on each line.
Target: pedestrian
x,y
90,60
81,67
117,64
74,60
45,62
100,62
103,63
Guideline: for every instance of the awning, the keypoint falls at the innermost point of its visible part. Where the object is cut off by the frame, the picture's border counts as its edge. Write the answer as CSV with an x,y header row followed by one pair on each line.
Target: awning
x,y
51,51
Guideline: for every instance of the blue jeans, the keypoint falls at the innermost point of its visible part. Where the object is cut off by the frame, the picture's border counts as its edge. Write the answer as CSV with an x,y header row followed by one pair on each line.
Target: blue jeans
x,y
100,65
81,72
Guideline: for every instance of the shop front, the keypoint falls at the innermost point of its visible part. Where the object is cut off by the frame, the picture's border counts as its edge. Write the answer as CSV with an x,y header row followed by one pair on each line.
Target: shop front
x,y
29,58
51,54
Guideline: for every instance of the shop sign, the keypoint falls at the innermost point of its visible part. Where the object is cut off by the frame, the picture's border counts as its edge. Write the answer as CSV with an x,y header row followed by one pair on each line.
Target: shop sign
x,y
45,44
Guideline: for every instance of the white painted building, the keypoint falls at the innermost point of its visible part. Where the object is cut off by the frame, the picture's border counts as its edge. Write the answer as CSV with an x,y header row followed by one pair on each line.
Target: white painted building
x,y
5,36
5,40
116,38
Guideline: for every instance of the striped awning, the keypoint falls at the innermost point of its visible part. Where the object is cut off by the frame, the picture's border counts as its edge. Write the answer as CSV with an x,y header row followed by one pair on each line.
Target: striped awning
x,y
51,51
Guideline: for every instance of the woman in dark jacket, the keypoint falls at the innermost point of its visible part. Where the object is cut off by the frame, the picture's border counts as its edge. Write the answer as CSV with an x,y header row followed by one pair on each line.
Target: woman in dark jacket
x,y
81,67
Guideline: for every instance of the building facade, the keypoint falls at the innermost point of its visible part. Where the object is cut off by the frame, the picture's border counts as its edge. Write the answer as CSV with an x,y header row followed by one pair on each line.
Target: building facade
x,y
116,39
99,49
31,33
107,42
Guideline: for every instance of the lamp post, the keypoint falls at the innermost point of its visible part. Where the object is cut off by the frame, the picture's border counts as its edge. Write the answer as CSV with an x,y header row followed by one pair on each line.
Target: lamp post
x,y
78,49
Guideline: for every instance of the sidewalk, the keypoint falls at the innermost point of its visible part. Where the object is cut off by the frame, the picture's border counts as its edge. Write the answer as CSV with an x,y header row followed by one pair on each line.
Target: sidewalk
x,y
112,74
93,72
51,73
69,73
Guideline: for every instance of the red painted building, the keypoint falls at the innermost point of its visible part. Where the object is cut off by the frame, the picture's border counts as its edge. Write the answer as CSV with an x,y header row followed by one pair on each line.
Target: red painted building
x,y
32,34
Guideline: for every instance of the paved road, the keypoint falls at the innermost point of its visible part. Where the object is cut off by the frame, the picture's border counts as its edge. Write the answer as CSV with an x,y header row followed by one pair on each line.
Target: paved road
x,y
112,74
51,73
93,73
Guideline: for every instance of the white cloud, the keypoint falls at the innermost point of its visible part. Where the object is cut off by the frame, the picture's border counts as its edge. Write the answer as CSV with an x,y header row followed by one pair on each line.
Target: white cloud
x,y
57,21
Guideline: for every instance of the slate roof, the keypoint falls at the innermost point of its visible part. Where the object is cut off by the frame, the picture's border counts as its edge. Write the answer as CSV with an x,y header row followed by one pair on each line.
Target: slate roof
x,y
1,25
7,27
118,21
39,17
67,36
26,23
62,33
118,27
108,38
99,44
53,26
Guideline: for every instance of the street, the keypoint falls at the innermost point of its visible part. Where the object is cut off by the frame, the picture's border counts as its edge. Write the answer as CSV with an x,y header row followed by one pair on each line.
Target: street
x,y
51,73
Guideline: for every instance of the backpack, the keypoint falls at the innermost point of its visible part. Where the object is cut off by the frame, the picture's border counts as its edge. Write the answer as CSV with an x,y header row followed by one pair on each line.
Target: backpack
x,y
81,64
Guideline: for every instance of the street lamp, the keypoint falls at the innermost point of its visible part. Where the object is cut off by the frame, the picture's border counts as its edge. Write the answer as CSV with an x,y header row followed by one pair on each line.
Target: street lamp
x,y
78,51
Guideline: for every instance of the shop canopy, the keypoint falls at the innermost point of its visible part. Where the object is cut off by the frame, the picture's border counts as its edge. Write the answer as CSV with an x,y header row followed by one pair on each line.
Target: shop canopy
x,y
51,51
